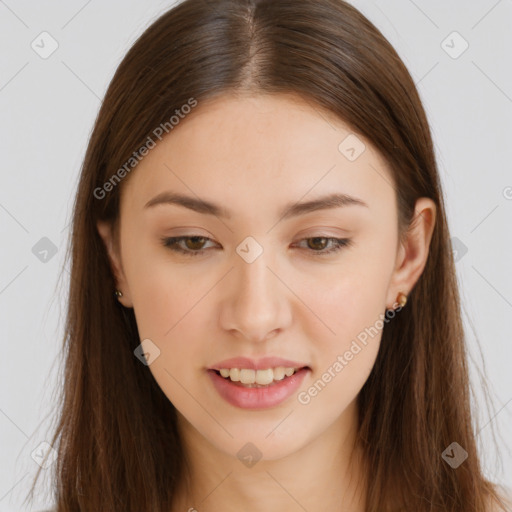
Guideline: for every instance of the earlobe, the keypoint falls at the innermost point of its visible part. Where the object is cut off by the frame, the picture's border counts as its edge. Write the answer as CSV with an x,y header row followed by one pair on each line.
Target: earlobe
x,y
413,252
107,234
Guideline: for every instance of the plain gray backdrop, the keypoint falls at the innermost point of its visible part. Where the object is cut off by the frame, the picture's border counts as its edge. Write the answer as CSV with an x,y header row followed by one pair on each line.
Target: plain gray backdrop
x,y
458,53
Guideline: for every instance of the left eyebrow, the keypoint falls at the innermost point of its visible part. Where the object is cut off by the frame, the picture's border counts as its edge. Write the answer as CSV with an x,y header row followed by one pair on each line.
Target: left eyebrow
x,y
291,210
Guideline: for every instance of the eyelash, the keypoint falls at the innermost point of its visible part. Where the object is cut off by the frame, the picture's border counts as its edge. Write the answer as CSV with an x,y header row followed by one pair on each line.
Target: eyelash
x,y
171,243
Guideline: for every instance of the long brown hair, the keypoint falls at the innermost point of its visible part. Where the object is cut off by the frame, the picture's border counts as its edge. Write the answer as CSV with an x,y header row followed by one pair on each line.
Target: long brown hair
x,y
116,438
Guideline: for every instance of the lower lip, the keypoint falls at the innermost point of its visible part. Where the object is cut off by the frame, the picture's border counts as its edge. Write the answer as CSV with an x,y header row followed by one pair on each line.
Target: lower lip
x,y
257,398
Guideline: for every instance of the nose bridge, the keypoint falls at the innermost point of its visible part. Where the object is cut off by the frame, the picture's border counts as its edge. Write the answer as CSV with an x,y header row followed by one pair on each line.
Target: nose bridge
x,y
256,280
256,305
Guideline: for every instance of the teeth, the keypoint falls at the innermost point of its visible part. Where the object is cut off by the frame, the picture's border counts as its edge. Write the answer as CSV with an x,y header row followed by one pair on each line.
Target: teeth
x,y
279,373
247,376
261,377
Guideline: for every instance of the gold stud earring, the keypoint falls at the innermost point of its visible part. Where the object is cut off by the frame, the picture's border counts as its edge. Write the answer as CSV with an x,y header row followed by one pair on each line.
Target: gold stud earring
x,y
118,294
402,299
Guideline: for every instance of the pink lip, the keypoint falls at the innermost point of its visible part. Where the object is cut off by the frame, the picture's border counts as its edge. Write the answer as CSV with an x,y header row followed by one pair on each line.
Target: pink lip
x,y
260,364
257,398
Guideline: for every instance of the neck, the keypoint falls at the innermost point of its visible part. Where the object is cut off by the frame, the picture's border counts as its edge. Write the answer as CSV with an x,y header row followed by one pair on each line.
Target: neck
x,y
325,474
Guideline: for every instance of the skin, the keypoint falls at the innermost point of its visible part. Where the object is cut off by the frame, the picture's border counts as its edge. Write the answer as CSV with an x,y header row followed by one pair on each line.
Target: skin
x,y
253,155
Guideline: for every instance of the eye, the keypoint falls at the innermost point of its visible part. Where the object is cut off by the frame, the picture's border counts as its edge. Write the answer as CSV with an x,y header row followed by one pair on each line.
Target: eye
x,y
320,242
196,247
193,249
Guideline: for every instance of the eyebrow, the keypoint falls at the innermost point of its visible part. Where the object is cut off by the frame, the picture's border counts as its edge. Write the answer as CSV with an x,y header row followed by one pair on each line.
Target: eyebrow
x,y
291,210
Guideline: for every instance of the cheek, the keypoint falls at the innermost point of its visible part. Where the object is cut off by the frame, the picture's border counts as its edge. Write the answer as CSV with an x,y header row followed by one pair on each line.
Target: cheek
x,y
346,299
347,326
171,309
344,358
164,294
352,314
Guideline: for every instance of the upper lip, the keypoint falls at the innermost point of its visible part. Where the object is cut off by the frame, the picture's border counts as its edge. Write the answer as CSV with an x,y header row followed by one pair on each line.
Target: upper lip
x,y
259,364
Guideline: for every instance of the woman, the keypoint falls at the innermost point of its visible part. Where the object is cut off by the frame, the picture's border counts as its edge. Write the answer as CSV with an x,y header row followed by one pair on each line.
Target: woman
x,y
263,311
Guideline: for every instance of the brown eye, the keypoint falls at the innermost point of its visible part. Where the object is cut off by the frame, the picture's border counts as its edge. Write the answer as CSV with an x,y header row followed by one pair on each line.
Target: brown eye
x,y
319,243
197,243
188,245
322,245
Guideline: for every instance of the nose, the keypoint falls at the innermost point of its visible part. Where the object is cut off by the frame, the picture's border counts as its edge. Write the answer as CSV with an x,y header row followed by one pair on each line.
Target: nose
x,y
257,305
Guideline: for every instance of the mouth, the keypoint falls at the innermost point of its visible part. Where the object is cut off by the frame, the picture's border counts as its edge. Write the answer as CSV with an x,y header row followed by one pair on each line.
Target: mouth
x,y
275,389
250,378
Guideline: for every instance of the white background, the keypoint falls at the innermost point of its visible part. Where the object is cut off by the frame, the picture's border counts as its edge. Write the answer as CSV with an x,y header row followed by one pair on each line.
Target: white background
x,y
47,109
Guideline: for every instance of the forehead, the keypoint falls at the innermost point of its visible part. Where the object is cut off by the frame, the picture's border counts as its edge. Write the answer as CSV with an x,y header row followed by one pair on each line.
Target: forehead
x,y
244,148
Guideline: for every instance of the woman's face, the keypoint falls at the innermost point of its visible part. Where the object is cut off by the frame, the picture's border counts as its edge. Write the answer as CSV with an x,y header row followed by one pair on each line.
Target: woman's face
x,y
265,284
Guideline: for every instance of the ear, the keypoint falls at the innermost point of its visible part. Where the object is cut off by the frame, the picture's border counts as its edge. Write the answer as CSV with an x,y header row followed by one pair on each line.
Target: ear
x,y
413,252
111,243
